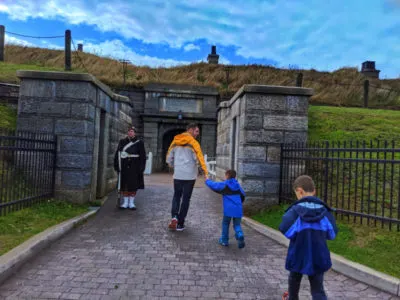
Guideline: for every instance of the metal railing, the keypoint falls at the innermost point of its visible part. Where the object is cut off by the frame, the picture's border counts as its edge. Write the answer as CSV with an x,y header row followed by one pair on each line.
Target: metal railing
x,y
360,180
27,169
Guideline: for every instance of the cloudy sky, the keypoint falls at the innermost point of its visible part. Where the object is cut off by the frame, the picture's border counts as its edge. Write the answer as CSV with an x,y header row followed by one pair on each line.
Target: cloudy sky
x,y
321,34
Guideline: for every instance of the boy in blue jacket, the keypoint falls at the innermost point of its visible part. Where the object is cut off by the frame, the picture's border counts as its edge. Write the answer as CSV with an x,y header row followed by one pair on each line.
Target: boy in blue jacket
x,y
308,223
232,196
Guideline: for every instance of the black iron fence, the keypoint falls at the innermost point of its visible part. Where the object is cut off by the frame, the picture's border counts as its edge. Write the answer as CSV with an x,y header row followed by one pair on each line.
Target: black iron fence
x,y
360,180
27,169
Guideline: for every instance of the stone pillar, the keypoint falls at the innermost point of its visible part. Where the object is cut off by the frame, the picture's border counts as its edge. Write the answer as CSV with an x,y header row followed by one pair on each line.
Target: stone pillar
x,y
265,117
77,108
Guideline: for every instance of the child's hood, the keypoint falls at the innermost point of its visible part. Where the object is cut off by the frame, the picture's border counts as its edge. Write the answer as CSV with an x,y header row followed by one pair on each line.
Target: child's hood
x,y
232,184
310,209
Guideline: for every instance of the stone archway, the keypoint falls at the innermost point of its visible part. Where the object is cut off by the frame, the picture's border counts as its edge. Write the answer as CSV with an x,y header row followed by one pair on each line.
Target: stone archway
x,y
166,142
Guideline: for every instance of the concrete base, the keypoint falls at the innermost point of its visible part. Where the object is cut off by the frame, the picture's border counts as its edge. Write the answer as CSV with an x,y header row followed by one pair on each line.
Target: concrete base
x,y
339,264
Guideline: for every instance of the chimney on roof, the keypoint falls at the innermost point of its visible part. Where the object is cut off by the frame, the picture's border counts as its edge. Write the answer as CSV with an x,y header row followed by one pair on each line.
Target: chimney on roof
x,y
213,57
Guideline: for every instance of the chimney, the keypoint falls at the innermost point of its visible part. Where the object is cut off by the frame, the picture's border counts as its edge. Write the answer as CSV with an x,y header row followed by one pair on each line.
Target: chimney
x,y
80,47
368,69
213,56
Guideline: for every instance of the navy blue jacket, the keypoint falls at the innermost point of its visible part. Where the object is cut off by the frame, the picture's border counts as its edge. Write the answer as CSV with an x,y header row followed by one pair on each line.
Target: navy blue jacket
x,y
233,196
308,223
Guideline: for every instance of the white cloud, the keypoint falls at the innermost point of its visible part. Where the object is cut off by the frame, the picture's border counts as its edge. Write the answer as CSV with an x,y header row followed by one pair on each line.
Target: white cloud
x,y
118,50
324,34
16,41
191,47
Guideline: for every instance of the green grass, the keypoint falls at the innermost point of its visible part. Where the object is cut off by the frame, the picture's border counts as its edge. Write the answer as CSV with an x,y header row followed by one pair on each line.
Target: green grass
x,y
370,246
8,117
17,227
8,70
339,124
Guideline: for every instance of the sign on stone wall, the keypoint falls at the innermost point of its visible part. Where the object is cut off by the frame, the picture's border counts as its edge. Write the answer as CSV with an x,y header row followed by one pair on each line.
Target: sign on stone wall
x,y
180,104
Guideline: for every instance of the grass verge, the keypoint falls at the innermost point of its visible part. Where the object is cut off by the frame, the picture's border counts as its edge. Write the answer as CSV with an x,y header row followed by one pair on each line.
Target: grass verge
x,y
8,117
370,246
17,227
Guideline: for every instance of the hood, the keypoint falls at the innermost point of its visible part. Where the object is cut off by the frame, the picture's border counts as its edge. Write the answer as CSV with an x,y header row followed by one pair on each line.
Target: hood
x,y
310,209
183,139
232,184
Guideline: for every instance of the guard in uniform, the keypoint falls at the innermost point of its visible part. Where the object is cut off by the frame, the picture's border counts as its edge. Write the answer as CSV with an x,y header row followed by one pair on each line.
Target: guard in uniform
x,y
130,163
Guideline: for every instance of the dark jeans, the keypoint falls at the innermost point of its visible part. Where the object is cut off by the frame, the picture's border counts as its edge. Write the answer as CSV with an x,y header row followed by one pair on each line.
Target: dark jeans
x,y
180,202
225,228
316,283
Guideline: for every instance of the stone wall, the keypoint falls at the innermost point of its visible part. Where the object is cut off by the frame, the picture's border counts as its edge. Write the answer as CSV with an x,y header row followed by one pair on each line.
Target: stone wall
x,y
251,128
9,94
88,119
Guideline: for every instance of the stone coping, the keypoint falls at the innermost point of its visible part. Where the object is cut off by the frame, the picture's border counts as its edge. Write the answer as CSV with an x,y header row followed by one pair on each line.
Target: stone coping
x,y
340,264
267,90
9,84
11,261
180,89
68,76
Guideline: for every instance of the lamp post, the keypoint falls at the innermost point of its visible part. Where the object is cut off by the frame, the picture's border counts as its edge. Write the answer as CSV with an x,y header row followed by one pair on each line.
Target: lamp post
x,y
180,116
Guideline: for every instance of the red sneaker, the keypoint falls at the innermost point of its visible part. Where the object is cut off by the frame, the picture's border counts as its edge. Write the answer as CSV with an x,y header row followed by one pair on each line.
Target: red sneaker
x,y
172,225
285,296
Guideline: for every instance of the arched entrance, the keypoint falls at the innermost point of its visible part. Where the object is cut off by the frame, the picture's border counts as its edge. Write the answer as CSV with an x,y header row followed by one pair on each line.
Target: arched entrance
x,y
167,140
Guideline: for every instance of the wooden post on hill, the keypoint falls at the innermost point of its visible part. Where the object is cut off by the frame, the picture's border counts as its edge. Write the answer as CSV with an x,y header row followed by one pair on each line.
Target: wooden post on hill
x,y
67,50
299,80
2,39
366,92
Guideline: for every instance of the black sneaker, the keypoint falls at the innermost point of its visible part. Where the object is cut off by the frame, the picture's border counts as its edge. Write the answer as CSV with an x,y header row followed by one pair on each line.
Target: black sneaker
x,y
180,227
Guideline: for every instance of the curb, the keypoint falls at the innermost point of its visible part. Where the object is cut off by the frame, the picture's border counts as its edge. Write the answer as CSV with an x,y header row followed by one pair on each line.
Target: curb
x,y
11,261
339,263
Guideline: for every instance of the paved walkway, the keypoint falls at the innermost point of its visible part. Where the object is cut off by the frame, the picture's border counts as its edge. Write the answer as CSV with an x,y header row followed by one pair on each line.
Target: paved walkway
x,y
131,255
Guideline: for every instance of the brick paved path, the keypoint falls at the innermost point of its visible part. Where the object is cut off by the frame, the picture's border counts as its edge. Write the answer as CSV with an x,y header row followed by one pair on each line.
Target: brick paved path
x,y
131,255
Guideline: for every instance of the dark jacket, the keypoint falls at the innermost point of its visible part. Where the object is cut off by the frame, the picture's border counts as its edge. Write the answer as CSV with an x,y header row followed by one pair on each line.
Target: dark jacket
x,y
308,223
132,167
233,196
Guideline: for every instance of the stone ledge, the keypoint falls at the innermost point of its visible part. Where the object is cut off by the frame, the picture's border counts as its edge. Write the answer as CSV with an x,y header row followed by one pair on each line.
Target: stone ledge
x,y
339,264
267,90
68,76
180,89
15,258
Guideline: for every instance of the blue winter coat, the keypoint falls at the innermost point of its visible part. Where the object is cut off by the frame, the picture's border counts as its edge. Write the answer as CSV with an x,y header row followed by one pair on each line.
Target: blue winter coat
x,y
308,223
233,196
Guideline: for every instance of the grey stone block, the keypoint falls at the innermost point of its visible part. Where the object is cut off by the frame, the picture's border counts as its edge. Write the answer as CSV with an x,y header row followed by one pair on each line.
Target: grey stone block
x,y
294,123
83,111
74,161
73,144
274,154
263,170
253,121
73,90
76,179
38,88
73,196
297,105
55,109
253,186
45,125
265,103
296,137
28,105
72,127
252,152
262,136
272,186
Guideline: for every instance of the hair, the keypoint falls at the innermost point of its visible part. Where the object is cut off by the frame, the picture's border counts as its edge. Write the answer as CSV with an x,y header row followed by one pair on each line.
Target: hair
x,y
230,174
192,126
132,128
305,182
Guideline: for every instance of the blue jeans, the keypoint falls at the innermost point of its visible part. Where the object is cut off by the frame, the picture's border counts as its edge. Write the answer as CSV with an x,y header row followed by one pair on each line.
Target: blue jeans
x,y
316,284
225,228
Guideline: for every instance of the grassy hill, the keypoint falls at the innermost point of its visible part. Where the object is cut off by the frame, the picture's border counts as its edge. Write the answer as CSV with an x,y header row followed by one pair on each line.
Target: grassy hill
x,y
343,87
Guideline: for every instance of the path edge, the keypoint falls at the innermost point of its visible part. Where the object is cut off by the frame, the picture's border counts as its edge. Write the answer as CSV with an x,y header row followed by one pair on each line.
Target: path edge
x,y
11,261
340,264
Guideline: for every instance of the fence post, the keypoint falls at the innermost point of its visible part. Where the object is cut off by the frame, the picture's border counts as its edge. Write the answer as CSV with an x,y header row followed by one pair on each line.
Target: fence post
x,y
326,172
299,80
67,50
2,41
366,91
281,175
